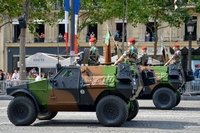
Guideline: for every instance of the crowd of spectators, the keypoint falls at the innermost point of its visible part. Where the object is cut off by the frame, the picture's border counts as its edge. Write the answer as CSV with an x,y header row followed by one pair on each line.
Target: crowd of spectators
x,y
32,74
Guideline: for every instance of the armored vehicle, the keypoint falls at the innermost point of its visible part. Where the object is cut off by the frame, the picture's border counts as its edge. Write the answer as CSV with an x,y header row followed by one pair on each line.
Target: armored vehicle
x,y
107,90
163,84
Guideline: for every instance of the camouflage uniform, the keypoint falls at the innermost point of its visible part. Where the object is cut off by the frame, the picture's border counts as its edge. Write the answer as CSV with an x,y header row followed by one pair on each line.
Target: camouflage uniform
x,y
94,56
132,54
177,60
144,59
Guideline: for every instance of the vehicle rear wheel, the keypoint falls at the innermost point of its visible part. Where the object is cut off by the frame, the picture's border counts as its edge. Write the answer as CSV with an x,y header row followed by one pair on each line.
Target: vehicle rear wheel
x,y
111,111
178,98
47,115
133,110
21,111
164,98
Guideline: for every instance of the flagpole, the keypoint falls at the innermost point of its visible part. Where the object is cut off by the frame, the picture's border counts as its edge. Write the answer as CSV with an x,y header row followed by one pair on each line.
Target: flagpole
x,y
108,53
72,31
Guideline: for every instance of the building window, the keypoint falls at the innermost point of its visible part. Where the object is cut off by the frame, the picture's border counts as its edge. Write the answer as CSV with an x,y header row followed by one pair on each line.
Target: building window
x,y
194,33
61,31
92,31
40,37
119,28
16,34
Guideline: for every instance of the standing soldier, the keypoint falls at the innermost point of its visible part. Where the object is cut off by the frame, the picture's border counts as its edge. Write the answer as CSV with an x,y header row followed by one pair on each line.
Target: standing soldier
x,y
130,55
177,60
94,53
144,58
176,56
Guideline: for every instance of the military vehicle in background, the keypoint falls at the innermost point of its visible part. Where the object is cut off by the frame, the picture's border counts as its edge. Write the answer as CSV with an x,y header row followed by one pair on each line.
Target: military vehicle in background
x,y
163,84
107,90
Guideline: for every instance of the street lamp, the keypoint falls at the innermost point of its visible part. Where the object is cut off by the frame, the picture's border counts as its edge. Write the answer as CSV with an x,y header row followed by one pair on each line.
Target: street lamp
x,y
190,29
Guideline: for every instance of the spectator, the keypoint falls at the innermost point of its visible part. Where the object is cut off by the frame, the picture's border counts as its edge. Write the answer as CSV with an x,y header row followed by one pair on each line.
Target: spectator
x,y
147,37
42,36
92,35
88,37
60,38
15,75
2,75
116,35
38,78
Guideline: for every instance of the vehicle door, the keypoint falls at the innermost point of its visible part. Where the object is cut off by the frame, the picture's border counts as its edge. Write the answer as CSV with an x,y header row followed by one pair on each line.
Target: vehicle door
x,y
66,85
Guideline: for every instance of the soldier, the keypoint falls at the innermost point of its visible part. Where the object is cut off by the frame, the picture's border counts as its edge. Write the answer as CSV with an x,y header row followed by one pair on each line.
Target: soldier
x,y
94,53
176,56
131,55
144,58
177,60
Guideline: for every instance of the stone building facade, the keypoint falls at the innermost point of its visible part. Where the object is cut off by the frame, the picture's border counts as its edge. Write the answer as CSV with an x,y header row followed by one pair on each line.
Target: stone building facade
x,y
9,39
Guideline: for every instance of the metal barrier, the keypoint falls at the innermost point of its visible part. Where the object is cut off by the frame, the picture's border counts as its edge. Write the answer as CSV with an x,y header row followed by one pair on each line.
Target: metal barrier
x,y
192,87
6,84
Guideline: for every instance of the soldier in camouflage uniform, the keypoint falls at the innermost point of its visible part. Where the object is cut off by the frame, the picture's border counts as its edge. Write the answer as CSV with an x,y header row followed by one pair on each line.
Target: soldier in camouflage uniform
x,y
94,53
144,58
177,60
130,57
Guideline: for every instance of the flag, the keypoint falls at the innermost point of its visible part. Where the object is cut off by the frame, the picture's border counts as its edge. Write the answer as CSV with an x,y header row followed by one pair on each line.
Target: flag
x,y
175,6
107,37
77,6
66,23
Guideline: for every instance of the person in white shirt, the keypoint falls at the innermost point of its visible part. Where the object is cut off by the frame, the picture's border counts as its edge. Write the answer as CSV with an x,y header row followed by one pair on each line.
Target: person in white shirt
x,y
15,75
38,78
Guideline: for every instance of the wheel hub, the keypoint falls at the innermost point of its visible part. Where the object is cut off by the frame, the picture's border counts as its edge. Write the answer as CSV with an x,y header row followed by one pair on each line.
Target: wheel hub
x,y
111,111
164,98
21,111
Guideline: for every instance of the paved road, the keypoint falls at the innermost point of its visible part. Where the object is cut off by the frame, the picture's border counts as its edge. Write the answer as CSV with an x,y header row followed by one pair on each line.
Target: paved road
x,y
183,118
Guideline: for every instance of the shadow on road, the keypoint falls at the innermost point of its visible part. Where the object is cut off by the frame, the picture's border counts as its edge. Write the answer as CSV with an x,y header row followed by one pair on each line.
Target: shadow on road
x,y
167,125
175,108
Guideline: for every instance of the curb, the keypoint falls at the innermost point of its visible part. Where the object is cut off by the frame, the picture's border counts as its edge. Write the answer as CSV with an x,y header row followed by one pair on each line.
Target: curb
x,y
190,97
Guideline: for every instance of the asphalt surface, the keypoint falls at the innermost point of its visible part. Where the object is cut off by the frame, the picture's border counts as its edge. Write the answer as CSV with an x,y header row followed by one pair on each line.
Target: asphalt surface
x,y
183,118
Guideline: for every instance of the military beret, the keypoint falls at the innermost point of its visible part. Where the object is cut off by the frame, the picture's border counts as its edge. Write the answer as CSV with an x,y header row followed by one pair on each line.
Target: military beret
x,y
144,47
176,45
197,65
131,39
93,39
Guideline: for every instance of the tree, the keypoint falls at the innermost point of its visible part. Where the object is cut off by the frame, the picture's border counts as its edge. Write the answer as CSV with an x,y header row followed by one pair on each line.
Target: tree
x,y
137,11
30,10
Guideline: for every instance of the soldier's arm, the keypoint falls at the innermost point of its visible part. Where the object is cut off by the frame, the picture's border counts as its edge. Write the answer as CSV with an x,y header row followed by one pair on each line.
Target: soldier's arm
x,y
120,59
169,61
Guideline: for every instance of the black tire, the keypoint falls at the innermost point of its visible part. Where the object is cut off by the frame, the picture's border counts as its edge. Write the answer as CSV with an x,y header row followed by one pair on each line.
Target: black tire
x,y
133,111
47,115
21,111
178,98
164,98
112,111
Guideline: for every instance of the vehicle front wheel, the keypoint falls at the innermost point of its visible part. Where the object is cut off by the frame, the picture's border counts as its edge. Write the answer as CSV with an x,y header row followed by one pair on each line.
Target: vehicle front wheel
x,y
133,110
21,111
47,115
112,111
164,98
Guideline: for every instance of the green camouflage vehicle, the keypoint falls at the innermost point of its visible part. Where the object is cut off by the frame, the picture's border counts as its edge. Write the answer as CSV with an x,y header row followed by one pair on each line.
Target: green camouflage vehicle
x,y
106,90
163,84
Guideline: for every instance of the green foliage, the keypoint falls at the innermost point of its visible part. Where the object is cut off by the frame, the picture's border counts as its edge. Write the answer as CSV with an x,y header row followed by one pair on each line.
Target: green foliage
x,y
38,10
